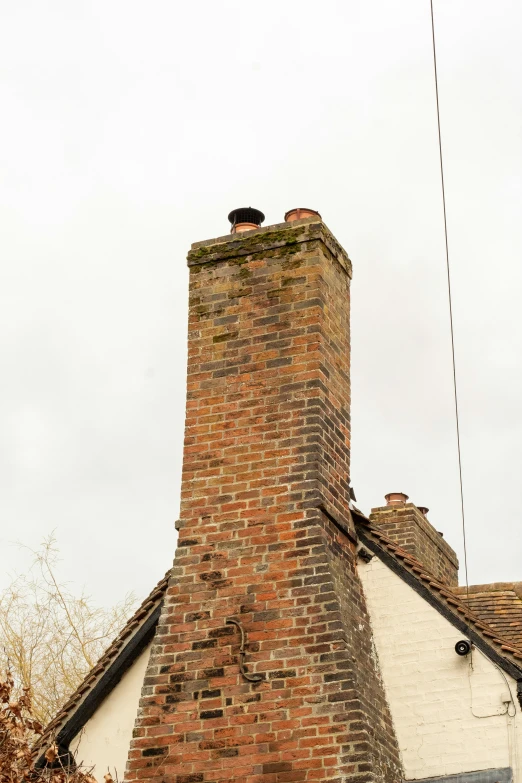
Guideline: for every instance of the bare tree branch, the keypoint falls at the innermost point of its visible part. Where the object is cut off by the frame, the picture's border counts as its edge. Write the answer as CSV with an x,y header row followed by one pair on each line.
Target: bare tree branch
x,y
51,636
18,731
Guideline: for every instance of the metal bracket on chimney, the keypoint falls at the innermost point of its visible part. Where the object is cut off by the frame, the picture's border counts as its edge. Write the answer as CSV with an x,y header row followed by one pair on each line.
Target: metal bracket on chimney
x,y
242,653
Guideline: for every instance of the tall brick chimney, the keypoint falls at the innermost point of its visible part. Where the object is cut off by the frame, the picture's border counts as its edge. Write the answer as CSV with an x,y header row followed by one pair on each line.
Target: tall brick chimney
x,y
266,550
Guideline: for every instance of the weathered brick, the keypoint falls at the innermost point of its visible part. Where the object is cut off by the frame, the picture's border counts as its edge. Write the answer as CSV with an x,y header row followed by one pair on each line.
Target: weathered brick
x,y
154,752
206,714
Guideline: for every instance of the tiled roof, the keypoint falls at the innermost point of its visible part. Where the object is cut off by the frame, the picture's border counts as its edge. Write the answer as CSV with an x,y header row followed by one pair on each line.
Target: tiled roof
x,y
140,616
499,605
440,595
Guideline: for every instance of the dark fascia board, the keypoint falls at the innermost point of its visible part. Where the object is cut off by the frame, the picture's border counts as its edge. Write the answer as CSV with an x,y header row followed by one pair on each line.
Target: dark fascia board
x,y
108,681
467,630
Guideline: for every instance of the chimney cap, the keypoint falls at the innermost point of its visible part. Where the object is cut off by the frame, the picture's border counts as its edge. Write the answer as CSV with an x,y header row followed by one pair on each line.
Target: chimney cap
x,y
396,498
300,212
246,215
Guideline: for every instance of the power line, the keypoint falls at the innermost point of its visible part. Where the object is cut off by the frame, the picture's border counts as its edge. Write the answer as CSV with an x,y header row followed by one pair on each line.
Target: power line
x,y
450,302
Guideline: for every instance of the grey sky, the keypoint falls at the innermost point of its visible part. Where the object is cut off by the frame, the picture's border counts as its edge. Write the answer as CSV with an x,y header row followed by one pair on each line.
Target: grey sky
x,y
130,129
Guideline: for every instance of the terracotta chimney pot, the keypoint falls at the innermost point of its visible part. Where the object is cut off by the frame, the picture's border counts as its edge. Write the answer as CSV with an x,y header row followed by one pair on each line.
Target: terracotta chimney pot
x,y
424,510
395,498
300,213
243,227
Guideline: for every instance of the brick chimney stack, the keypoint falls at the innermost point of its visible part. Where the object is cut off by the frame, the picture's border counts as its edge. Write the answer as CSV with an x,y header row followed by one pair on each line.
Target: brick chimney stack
x,y
287,691
407,525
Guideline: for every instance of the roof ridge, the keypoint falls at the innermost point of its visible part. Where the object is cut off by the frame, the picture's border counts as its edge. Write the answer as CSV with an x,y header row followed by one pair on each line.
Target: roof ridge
x,y
492,587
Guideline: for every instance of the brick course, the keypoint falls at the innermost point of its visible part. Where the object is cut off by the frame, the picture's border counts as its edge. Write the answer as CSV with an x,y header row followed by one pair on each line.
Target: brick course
x,y
265,534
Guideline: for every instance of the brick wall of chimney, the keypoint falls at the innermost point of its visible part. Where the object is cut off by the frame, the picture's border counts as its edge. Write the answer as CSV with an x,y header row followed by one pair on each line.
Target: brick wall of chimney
x,y
265,535
410,529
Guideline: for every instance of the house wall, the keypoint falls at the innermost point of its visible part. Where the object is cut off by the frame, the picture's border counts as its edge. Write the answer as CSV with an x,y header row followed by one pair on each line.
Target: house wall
x,y
447,714
104,741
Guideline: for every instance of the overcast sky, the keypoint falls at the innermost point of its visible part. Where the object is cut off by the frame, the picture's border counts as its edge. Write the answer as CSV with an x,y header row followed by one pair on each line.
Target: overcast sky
x,y
130,129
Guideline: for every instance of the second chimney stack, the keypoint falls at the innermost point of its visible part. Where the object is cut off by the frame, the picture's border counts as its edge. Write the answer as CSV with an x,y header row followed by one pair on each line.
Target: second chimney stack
x,y
407,526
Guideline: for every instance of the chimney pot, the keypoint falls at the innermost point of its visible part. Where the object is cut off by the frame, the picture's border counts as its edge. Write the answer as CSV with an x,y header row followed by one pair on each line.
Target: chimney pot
x,y
300,213
245,219
395,498
424,510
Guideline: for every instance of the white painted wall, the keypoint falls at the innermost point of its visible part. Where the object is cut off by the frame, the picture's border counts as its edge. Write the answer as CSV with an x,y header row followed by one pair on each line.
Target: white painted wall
x,y
438,702
104,741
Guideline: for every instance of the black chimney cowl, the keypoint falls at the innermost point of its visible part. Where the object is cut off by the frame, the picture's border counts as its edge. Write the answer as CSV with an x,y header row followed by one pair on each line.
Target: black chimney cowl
x,y
246,215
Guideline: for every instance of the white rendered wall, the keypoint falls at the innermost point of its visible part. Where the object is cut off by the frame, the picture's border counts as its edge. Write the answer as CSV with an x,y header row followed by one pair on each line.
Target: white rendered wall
x,y
435,697
104,741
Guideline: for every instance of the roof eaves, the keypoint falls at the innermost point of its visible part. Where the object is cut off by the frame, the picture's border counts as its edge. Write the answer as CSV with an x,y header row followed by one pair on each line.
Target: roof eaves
x,y
410,570
105,675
